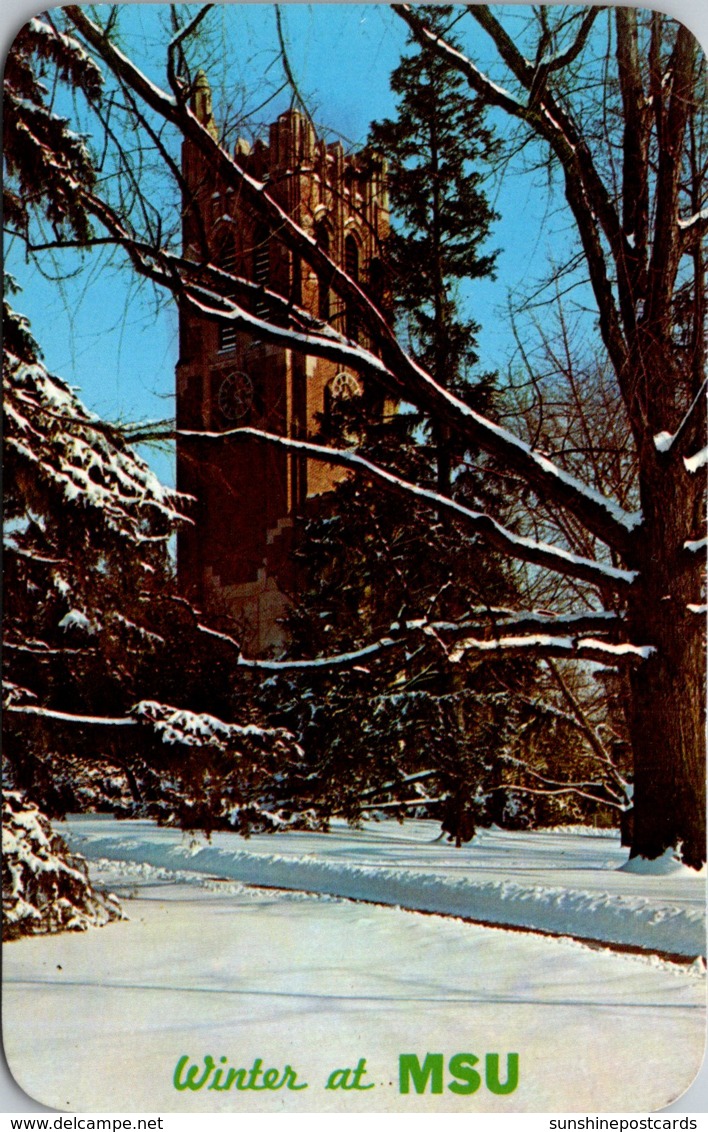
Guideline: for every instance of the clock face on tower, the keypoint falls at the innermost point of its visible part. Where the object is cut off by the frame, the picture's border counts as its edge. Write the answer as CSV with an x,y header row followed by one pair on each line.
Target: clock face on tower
x,y
235,395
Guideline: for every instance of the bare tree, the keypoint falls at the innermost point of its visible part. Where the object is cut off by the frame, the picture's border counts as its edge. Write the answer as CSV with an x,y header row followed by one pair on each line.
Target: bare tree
x,y
635,200
636,245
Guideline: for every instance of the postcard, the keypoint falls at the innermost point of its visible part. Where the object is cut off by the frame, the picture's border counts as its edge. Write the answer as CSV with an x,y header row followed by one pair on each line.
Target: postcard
x,y
354,638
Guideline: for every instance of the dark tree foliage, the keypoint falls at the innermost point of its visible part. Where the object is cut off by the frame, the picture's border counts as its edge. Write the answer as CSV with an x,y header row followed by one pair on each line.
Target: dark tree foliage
x,y
431,733
106,702
436,148
106,705
410,731
47,165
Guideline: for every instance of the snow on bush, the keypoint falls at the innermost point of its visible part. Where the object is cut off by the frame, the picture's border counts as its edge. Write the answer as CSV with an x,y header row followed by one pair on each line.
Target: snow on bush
x,y
206,773
45,887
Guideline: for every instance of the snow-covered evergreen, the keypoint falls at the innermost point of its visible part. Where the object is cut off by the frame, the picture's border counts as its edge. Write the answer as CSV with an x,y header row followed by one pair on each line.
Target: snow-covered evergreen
x,y
45,887
106,702
48,165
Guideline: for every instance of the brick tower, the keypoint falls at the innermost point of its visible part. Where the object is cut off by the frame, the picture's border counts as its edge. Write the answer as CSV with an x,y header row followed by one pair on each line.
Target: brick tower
x,y
236,561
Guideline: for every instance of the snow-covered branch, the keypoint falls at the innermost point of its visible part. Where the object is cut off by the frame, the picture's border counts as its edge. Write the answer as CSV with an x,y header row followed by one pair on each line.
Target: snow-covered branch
x,y
174,726
697,461
71,717
582,787
518,546
545,645
699,220
212,292
554,791
335,660
526,640
496,621
693,229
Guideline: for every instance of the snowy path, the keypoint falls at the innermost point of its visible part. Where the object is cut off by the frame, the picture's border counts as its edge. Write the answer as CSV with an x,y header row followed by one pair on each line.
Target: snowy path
x,y
99,1021
560,882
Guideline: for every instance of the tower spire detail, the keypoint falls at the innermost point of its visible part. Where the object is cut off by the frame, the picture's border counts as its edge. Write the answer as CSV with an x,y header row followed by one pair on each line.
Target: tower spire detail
x,y
202,104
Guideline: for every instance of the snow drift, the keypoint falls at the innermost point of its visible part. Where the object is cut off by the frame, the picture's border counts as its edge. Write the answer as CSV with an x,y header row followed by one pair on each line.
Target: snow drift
x,y
560,882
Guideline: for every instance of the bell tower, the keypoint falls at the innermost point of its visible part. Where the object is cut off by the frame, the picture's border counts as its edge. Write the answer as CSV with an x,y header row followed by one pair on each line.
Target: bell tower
x,y
235,561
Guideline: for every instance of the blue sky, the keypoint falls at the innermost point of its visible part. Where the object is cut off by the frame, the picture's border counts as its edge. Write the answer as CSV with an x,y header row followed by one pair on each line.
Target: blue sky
x,y
111,336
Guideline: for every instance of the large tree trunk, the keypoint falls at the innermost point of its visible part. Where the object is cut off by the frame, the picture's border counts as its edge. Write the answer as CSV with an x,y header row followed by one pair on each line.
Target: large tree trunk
x,y
667,717
667,733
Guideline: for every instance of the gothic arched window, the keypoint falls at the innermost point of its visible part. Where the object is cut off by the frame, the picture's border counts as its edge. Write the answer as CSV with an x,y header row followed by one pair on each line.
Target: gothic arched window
x,y
323,304
227,261
351,266
377,279
261,266
342,388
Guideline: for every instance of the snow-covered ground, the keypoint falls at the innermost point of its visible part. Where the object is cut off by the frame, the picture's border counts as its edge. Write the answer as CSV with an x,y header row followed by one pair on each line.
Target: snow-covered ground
x,y
210,965
565,882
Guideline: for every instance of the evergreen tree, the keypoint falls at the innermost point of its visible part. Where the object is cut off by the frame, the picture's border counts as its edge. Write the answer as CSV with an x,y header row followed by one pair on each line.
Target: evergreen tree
x,y
435,148
106,701
427,729
407,731
106,705
47,165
